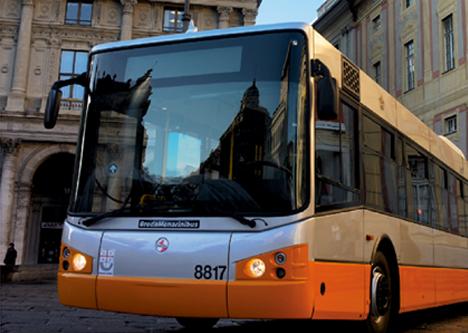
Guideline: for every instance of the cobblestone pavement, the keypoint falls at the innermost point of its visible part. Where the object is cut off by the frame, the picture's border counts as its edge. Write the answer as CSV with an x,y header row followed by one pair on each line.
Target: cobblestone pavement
x,y
34,308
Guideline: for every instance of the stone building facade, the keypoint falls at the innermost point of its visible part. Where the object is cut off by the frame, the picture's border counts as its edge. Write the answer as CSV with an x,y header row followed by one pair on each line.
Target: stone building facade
x,y
415,49
40,42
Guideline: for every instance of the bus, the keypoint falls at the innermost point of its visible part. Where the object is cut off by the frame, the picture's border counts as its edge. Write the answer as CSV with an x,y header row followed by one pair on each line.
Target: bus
x,y
256,173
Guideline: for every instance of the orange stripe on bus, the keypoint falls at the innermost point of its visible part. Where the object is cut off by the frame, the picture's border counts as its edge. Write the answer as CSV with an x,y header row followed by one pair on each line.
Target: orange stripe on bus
x,y
162,297
270,299
75,289
423,287
342,290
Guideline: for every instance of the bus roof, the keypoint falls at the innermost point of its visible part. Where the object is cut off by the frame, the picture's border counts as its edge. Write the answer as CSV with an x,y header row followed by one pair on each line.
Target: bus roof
x,y
201,34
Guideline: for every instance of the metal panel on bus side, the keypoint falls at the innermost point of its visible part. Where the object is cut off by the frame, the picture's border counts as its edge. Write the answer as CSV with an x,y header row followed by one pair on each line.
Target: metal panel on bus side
x,y
339,237
412,126
450,250
376,226
164,273
375,98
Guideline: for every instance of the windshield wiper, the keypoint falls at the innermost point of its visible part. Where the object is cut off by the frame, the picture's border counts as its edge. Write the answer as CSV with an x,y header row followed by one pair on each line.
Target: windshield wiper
x,y
113,213
252,223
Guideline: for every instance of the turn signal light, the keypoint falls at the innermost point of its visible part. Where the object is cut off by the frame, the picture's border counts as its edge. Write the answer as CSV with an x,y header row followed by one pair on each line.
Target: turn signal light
x,y
74,261
290,263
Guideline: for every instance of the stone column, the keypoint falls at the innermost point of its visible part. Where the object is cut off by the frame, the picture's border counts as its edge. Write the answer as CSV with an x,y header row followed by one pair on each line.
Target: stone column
x,y
249,16
127,18
20,230
223,20
9,148
18,90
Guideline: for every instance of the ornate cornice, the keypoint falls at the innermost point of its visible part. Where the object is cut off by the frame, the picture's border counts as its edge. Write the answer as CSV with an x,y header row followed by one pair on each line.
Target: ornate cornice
x,y
56,35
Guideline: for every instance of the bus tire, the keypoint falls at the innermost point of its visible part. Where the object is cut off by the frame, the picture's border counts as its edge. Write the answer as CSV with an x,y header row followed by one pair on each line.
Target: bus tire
x,y
197,323
383,308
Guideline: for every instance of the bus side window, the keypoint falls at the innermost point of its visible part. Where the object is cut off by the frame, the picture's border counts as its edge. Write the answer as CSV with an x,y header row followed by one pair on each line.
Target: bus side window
x,y
418,172
402,195
464,222
460,206
444,221
453,211
337,171
371,155
434,182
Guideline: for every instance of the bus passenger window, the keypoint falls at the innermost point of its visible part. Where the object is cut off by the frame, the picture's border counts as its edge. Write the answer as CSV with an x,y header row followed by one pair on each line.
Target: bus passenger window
x,y
460,206
464,221
453,210
402,195
442,193
417,166
380,167
336,159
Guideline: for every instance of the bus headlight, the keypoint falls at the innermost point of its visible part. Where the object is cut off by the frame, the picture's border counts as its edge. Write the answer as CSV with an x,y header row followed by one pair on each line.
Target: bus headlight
x,y
255,268
79,262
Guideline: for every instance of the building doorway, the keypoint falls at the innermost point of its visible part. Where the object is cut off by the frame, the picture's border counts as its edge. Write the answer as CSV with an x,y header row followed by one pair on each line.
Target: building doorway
x,y
50,196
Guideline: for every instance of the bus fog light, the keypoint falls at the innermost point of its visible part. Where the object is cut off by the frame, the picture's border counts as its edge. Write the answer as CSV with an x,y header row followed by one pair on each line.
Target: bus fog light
x,y
280,258
280,273
255,268
66,252
79,262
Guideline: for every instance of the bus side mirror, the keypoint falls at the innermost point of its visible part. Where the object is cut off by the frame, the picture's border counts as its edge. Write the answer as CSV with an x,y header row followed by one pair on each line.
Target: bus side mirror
x,y
55,95
52,107
326,91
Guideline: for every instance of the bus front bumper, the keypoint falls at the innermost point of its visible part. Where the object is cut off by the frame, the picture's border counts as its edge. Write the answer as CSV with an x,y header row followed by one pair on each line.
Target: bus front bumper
x,y
188,297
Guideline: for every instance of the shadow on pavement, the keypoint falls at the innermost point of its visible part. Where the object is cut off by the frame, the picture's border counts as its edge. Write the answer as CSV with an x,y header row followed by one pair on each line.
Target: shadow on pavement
x,y
408,322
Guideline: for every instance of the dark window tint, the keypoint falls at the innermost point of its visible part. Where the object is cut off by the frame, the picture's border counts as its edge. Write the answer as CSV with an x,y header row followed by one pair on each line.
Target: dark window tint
x,y
337,159
380,167
454,190
419,181
402,192
464,221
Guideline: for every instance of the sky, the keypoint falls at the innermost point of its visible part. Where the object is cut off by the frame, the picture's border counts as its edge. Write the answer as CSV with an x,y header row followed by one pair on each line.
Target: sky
x,y
277,11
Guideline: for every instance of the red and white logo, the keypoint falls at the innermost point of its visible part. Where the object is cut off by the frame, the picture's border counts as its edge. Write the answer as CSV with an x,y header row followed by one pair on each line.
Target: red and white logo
x,y
162,244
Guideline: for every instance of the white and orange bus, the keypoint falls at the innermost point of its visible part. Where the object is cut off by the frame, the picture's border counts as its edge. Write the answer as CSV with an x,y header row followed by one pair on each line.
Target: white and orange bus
x,y
256,173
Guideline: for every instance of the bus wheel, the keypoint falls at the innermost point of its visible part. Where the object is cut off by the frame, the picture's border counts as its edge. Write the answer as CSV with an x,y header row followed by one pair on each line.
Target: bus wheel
x,y
197,323
382,302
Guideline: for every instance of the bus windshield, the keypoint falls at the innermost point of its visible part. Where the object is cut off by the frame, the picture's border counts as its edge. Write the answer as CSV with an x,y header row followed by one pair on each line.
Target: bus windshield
x,y
212,126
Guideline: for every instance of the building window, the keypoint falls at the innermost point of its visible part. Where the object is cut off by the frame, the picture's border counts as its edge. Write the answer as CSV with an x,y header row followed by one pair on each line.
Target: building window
x,y
173,20
408,3
409,48
447,24
377,72
79,12
376,23
72,64
450,125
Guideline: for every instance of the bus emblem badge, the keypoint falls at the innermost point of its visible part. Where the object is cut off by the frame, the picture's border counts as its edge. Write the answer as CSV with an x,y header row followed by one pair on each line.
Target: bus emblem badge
x,y
162,245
